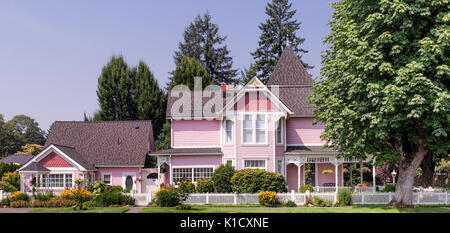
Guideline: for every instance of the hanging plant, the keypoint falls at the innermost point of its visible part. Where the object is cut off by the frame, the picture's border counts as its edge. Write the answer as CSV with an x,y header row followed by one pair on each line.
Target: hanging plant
x,y
327,171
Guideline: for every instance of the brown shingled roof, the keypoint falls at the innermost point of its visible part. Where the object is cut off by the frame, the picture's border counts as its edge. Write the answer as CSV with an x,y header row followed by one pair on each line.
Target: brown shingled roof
x,y
294,83
289,71
308,149
105,143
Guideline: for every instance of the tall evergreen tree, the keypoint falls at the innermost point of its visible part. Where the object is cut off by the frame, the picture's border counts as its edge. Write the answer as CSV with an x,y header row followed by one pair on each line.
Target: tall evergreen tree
x,y
115,91
203,42
186,71
247,74
149,99
276,31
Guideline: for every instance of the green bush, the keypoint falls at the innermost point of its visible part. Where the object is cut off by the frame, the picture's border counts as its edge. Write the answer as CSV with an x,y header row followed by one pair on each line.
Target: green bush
x,y
305,187
317,201
167,198
186,187
8,167
54,202
43,196
344,197
221,178
113,199
290,203
389,188
7,187
205,186
256,180
5,202
116,188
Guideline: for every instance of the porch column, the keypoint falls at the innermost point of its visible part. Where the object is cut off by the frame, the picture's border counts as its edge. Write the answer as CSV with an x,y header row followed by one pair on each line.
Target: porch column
x,y
336,165
361,173
351,175
298,176
373,177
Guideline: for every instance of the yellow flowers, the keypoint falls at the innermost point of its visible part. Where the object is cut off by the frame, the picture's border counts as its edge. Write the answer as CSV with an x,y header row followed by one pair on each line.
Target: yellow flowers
x,y
78,193
268,198
14,196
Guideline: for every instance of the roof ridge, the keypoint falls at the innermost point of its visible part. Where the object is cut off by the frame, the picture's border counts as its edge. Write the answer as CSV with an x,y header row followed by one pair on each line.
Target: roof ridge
x,y
63,146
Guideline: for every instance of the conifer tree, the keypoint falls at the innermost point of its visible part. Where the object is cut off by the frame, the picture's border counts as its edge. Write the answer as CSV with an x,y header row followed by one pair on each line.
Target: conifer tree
x,y
186,71
203,42
276,31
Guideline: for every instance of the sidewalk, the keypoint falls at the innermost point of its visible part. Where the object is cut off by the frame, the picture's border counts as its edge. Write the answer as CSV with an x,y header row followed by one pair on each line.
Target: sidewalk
x,y
134,210
15,210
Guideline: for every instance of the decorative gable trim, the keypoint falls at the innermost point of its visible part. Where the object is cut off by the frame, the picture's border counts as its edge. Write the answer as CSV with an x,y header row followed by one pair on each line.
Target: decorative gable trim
x,y
47,151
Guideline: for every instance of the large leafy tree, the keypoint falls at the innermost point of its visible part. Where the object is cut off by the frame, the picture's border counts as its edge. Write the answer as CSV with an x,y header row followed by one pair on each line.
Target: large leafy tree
x,y
26,130
186,71
8,141
126,93
203,42
384,90
276,31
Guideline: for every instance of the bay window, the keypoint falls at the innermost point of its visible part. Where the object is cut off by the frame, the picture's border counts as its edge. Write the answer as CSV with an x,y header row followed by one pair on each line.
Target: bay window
x,y
57,181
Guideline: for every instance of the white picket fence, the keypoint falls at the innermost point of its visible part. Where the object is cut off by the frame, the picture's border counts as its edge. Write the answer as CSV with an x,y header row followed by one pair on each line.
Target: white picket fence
x,y
142,199
419,198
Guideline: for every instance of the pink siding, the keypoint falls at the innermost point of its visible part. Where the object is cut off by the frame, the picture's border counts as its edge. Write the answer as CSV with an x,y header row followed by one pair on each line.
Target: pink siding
x,y
255,151
328,178
292,177
54,160
117,174
196,133
302,131
198,160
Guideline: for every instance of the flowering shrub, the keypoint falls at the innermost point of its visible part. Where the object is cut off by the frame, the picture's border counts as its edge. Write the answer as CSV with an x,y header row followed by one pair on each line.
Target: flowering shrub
x,y
53,202
18,196
344,197
268,198
20,204
11,179
167,197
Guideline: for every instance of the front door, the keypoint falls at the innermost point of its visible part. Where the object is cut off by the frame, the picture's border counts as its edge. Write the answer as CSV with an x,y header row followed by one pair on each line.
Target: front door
x,y
150,180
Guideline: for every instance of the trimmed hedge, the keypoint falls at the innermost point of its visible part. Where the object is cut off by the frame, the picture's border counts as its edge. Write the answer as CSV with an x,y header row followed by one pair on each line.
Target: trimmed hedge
x,y
256,180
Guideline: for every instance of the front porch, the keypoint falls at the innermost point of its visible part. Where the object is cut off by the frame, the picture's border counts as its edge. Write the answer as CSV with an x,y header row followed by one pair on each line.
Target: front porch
x,y
323,172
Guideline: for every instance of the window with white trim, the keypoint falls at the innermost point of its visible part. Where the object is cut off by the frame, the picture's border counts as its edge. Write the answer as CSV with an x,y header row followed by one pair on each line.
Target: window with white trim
x,y
228,131
280,166
191,173
247,128
106,177
254,129
57,181
255,163
279,131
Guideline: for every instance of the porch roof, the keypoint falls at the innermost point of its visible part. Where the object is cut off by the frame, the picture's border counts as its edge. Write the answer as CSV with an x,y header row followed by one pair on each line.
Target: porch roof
x,y
190,151
34,167
309,150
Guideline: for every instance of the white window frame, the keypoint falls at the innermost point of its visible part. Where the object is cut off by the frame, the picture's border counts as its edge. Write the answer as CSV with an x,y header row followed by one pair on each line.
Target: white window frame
x,y
225,131
266,129
281,171
47,182
280,122
110,175
192,171
251,159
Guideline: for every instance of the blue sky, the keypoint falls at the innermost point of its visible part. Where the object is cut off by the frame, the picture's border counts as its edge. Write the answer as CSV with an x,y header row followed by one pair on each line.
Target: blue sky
x,y
52,52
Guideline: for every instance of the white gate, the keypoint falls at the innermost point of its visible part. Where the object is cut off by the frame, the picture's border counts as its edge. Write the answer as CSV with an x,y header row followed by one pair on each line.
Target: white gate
x,y
149,180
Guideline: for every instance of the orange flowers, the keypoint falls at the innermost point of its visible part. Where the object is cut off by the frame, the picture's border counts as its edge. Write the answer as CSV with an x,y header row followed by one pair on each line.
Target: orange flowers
x,y
268,198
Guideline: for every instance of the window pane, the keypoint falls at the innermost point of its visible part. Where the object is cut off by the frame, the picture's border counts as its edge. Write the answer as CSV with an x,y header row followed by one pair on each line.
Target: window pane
x,y
260,136
247,122
248,136
229,136
69,180
255,164
260,121
228,125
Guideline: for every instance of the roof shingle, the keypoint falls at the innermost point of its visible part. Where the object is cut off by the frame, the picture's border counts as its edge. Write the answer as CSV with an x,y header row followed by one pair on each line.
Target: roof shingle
x,y
19,159
104,143
34,167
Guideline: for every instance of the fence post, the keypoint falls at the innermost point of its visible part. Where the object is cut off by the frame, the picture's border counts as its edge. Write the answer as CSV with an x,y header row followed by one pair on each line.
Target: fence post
x,y
362,198
418,198
446,197
390,196
293,195
207,198
1,195
235,198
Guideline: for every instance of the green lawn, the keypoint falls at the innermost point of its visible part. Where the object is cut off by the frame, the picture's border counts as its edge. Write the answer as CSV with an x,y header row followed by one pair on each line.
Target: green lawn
x,y
353,209
90,210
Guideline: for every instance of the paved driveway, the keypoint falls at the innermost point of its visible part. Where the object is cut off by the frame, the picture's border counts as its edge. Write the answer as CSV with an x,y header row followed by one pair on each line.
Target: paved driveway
x,y
15,210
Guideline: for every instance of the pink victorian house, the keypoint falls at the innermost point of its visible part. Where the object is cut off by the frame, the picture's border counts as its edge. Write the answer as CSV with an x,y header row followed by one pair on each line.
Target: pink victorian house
x,y
258,126
112,151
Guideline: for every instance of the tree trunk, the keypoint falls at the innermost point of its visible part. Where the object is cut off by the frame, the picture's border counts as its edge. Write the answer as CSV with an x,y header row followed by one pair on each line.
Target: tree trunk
x,y
403,196
427,166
